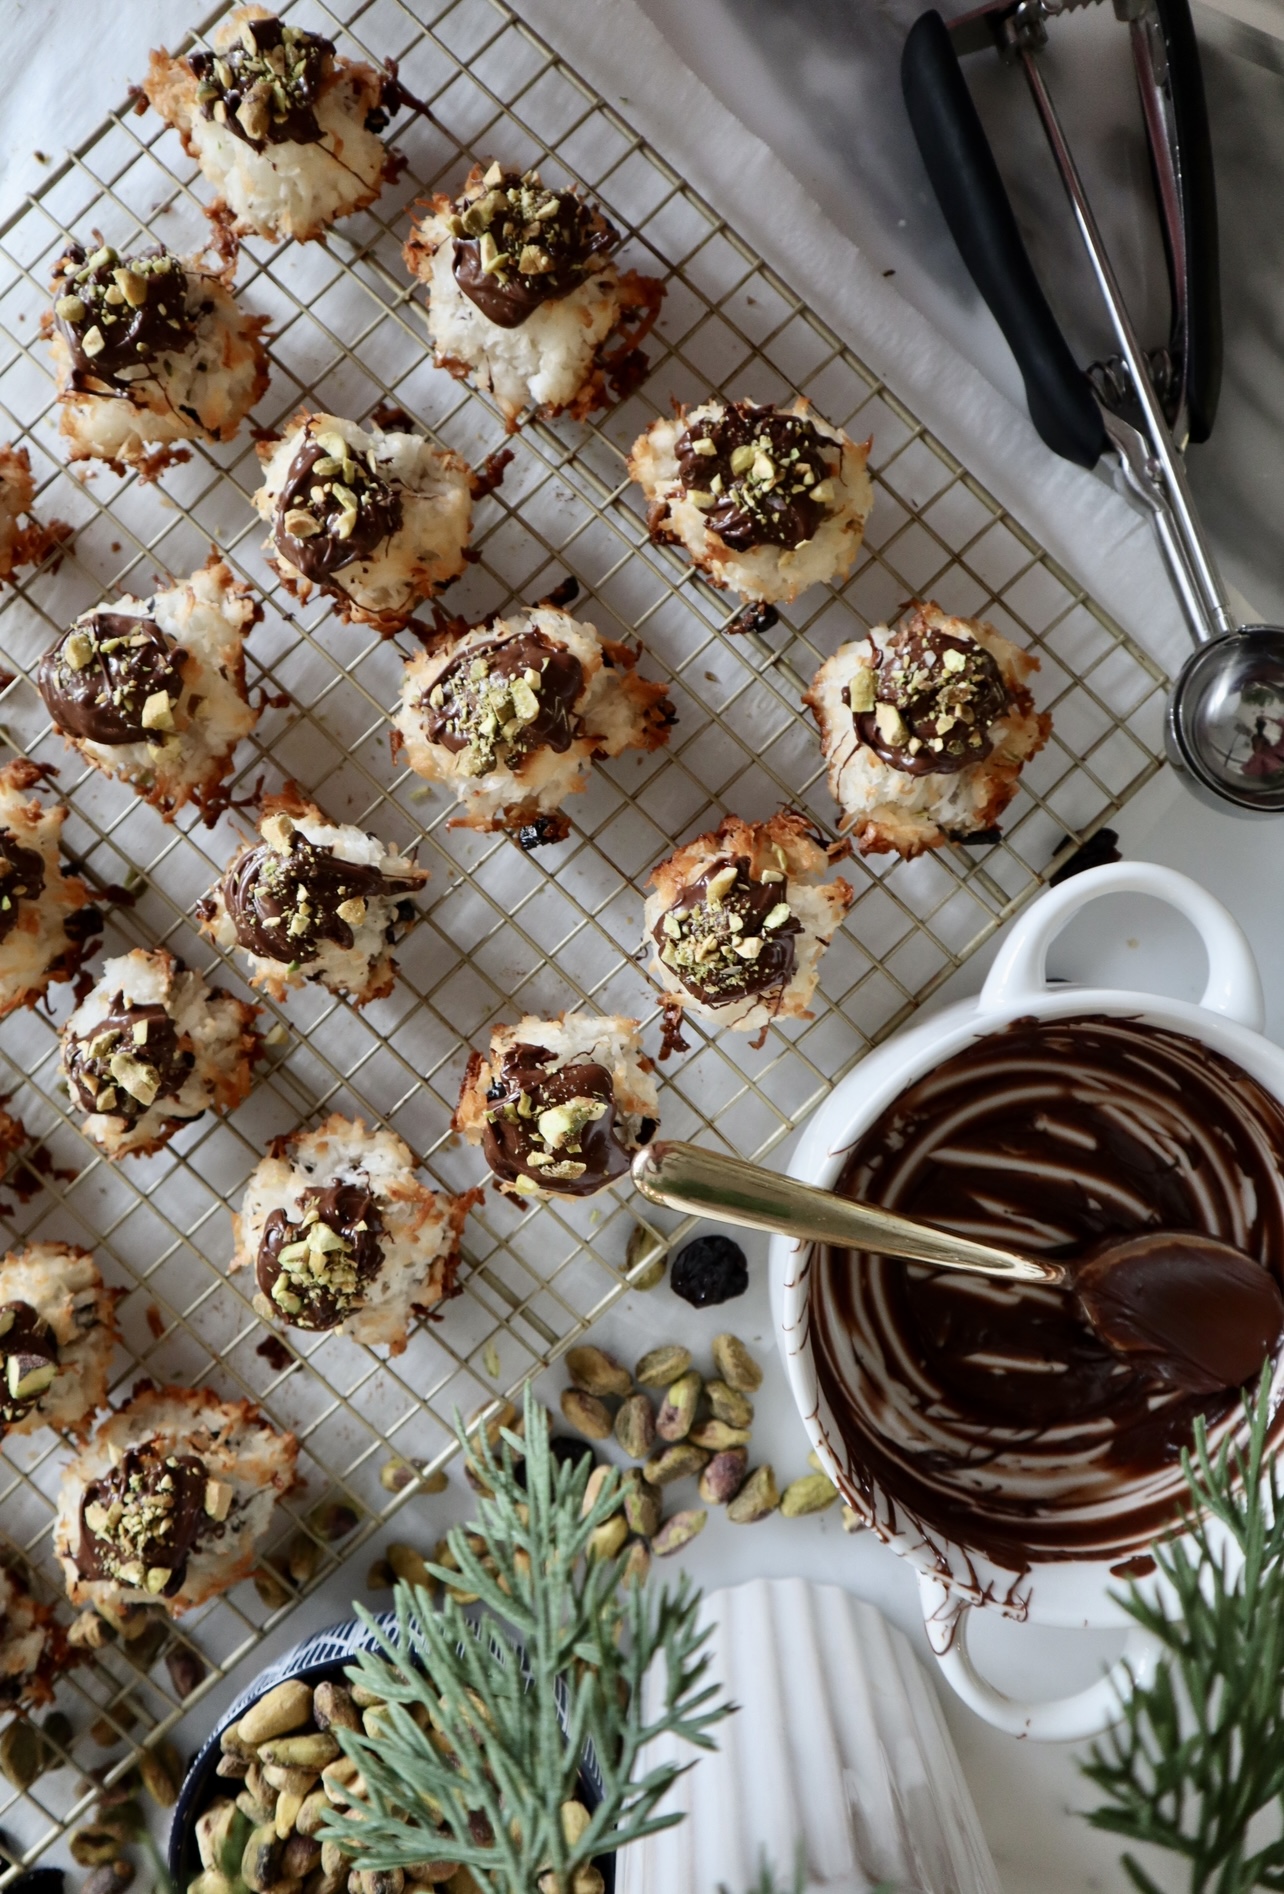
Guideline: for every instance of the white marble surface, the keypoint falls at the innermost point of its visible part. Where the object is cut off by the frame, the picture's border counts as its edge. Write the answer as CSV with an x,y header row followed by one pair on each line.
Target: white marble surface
x,y
817,80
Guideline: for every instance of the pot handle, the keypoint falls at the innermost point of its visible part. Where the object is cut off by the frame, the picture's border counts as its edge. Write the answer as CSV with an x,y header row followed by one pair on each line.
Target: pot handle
x,y
1054,1720
1020,969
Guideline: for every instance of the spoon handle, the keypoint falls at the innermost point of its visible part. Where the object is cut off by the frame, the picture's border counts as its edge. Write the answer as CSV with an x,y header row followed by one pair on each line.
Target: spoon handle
x,y
705,1183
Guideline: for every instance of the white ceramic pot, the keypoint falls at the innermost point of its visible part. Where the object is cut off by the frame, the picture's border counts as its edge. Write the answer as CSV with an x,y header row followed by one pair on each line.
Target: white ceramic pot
x,y
838,1760
1228,1018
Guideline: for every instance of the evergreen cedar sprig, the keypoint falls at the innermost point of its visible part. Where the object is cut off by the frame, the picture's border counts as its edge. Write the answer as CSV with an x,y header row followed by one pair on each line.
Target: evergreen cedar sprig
x,y
555,1666
1200,1751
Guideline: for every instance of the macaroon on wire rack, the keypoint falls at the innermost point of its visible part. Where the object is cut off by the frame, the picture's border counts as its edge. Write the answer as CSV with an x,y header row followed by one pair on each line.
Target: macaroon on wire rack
x,y
504,931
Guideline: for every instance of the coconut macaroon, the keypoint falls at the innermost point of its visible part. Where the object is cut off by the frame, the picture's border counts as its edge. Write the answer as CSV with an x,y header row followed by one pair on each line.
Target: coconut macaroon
x,y
57,1333
767,501
286,131
559,1105
739,920
524,299
151,1047
152,691
925,728
150,351
170,1500
33,1647
379,520
510,715
341,1234
47,918
22,545
314,900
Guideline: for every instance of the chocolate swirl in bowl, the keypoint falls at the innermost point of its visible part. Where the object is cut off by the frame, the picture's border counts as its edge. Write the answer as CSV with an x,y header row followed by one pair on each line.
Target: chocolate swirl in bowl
x,y
987,1415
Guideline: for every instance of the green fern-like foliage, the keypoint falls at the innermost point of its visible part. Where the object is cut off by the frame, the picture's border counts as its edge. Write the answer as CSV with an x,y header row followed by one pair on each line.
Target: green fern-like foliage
x,y
1200,1750
488,1719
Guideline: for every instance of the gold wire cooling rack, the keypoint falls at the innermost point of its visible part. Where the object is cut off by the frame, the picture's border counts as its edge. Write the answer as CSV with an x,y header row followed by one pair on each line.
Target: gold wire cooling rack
x,y
504,931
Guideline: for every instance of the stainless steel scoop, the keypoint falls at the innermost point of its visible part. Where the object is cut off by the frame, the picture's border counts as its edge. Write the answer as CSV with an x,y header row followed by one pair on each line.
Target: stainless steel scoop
x,y
1225,726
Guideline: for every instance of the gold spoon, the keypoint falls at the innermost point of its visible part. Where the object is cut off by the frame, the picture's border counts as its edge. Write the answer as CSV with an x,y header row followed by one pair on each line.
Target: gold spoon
x,y
1191,1309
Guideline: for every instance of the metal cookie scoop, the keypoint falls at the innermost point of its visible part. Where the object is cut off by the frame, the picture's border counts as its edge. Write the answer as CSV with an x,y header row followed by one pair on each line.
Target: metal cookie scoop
x,y
1194,1311
1225,727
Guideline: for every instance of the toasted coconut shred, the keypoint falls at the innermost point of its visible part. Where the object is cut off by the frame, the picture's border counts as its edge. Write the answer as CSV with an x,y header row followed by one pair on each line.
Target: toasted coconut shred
x,y
169,1501
153,692
559,1105
511,715
57,1333
766,501
47,918
342,1235
524,299
739,919
151,1047
22,545
943,760
378,520
33,1647
149,351
314,900
285,129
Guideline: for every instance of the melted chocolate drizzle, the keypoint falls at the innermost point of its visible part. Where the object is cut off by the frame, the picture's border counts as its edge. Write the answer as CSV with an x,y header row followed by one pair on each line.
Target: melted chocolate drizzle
x,y
759,477
473,705
22,878
574,1154
989,1414
312,1279
28,1360
121,315
133,1046
99,678
139,1524
284,904
333,509
265,86
944,695
518,245
705,934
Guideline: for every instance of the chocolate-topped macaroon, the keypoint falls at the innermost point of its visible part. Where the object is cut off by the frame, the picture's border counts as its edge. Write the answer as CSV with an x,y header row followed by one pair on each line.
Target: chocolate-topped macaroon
x,y
48,923
341,1234
22,544
739,920
925,727
766,500
559,1105
314,900
379,520
285,129
524,298
168,1502
151,1047
150,350
57,1333
510,716
153,692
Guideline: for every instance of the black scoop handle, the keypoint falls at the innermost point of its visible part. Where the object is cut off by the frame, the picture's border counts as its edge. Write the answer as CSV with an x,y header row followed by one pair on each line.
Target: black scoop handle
x,y
971,194
1202,343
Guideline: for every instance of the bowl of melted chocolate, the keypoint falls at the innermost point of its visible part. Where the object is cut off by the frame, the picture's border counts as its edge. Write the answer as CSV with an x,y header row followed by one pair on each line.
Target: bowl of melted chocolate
x,y
981,1428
